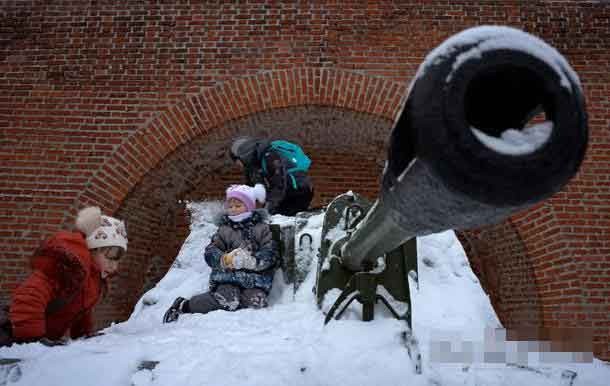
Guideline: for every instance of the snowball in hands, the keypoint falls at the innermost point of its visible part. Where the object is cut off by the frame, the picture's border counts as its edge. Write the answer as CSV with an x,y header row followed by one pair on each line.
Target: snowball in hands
x,y
242,259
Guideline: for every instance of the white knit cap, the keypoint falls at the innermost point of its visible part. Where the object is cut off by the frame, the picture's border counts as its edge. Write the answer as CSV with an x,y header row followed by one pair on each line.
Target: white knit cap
x,y
101,230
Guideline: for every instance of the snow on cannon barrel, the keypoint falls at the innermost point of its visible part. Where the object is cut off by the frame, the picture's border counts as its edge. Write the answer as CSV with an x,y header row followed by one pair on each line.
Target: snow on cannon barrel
x,y
493,123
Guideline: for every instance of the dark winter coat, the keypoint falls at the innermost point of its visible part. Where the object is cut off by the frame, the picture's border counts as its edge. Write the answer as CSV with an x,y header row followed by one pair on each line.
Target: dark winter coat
x,y
282,196
253,234
65,278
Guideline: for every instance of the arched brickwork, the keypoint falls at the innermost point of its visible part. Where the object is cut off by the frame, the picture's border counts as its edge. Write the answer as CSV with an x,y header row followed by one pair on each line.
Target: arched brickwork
x,y
185,145
345,147
199,114
97,98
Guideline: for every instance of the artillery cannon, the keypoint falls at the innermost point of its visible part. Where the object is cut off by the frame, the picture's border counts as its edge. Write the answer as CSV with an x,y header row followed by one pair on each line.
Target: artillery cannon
x,y
494,122
452,163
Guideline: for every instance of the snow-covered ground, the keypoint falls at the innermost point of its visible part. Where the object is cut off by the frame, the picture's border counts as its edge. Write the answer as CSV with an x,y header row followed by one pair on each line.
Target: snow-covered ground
x,y
288,344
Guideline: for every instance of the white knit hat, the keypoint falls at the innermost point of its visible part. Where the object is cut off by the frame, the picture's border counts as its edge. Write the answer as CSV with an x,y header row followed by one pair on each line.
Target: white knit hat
x,y
101,230
247,194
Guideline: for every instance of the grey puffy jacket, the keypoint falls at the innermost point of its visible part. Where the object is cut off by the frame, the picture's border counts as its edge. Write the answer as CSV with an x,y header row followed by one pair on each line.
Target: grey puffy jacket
x,y
253,234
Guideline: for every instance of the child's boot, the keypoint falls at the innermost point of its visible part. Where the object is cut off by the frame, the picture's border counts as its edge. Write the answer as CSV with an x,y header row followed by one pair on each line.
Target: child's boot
x,y
172,314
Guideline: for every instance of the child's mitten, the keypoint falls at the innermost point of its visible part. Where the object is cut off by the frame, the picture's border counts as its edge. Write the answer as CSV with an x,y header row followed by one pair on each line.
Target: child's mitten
x,y
226,260
242,259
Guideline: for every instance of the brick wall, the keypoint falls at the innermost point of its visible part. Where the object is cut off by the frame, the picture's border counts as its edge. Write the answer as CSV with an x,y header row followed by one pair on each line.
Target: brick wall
x,y
128,105
501,261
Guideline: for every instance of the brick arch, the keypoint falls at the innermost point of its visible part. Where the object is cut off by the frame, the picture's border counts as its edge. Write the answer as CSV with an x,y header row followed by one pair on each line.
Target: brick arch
x,y
343,144
204,115
199,114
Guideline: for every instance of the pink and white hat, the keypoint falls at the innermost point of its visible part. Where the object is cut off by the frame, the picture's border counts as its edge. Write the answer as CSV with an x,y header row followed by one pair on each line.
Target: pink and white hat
x,y
247,194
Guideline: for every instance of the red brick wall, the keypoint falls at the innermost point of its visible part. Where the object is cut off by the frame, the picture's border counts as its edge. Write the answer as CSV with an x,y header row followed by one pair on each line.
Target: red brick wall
x,y
128,105
501,261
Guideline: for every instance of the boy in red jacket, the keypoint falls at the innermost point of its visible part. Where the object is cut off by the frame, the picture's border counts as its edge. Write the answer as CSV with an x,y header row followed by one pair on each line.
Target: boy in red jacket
x,y
69,276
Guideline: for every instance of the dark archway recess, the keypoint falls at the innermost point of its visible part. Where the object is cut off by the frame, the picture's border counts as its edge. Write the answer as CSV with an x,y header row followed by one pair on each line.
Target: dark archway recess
x,y
347,149
499,258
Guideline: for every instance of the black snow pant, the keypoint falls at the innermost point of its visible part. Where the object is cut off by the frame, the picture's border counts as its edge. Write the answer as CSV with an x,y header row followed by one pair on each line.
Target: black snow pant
x,y
6,328
227,297
294,202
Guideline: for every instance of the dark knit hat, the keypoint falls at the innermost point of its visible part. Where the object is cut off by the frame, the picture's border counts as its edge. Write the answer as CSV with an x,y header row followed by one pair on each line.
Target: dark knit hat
x,y
244,149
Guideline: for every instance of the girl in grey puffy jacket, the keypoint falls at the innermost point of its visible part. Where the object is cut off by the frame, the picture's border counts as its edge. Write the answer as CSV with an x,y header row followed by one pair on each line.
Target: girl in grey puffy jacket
x,y
242,255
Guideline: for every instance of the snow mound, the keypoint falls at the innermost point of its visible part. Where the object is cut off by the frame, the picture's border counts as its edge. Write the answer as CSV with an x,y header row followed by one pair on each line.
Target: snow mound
x,y
288,343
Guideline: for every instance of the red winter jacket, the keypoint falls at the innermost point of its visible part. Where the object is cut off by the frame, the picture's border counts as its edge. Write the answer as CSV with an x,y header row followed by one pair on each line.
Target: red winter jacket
x,y
63,269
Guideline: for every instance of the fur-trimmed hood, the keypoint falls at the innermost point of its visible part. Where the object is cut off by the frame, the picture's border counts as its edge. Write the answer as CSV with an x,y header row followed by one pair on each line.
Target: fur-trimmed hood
x,y
66,257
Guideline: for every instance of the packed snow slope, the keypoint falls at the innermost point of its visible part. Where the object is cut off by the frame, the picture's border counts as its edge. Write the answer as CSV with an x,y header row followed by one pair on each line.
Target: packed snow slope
x,y
288,344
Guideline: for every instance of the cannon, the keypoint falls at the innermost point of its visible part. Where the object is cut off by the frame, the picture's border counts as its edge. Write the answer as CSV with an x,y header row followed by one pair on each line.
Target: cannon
x,y
493,123
461,154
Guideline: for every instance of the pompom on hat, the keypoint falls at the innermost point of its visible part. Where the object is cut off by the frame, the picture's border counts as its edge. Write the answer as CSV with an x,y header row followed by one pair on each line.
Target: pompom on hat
x,y
247,194
100,230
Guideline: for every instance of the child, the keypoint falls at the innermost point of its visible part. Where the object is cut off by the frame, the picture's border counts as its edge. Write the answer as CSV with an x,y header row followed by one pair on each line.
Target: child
x,y
69,277
242,256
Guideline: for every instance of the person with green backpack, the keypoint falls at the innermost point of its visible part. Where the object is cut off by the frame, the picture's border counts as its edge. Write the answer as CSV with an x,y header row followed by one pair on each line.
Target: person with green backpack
x,y
281,166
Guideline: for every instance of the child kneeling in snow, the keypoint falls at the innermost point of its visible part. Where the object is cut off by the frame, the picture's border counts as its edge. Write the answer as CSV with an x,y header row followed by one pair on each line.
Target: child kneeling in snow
x,y
242,256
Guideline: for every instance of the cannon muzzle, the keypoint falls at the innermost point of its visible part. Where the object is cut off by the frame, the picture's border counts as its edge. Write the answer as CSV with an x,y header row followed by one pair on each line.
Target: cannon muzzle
x,y
494,122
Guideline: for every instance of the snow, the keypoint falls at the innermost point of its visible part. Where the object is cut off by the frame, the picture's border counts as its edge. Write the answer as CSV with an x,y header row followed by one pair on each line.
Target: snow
x,y
288,343
515,141
489,38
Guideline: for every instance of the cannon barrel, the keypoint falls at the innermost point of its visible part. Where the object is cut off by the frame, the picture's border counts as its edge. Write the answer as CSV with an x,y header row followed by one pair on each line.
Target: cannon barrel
x,y
465,151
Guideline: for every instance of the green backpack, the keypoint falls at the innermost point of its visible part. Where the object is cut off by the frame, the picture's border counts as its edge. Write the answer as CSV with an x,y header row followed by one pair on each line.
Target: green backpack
x,y
292,152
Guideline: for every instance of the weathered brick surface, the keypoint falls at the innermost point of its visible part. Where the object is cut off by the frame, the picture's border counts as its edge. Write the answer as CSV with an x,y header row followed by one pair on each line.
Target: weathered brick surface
x,y
128,105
